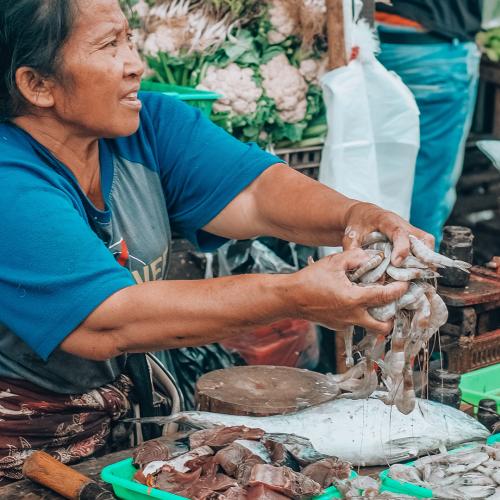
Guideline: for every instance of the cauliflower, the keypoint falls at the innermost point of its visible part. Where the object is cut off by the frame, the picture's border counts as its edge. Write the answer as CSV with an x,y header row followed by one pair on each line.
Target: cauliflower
x,y
313,69
165,13
284,84
282,22
167,38
178,26
239,91
206,32
167,28
139,38
141,8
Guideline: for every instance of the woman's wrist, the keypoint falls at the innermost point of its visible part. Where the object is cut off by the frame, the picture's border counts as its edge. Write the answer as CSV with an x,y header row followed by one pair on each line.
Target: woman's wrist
x,y
285,295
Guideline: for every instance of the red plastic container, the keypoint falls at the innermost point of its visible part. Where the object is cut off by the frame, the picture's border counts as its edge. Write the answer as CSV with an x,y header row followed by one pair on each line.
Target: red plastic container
x,y
289,342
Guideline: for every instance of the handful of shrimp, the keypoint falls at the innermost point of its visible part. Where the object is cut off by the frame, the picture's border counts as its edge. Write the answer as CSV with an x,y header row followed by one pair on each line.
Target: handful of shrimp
x,y
417,315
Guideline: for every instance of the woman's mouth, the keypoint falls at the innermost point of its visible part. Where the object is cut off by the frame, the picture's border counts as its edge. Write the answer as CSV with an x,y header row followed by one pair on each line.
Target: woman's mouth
x,y
131,101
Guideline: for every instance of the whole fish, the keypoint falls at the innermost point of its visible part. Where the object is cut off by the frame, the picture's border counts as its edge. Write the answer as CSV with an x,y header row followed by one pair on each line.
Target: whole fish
x,y
363,432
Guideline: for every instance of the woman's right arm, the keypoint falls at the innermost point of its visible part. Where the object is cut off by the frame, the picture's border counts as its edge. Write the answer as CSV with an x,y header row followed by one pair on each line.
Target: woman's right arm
x,y
168,314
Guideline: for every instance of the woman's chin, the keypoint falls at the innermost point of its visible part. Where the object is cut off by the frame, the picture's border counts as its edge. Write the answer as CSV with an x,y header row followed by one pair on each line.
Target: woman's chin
x,y
123,128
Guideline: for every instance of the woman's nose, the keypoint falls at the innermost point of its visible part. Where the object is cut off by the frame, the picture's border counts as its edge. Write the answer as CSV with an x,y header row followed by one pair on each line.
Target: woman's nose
x,y
133,65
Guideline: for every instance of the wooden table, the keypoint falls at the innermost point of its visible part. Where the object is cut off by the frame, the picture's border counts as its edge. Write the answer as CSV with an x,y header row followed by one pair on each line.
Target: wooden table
x,y
27,490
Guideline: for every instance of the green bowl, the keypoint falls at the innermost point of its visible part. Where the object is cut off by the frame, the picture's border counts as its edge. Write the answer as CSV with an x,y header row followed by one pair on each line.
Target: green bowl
x,y
481,384
389,484
201,99
120,475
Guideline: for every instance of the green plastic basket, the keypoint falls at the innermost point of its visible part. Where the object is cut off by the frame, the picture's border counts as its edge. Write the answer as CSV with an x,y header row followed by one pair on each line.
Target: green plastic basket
x,y
493,439
121,473
481,384
389,484
201,99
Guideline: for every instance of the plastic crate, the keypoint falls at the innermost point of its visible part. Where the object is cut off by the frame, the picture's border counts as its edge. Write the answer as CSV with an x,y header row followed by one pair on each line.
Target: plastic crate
x,y
201,99
404,488
307,159
481,384
493,439
121,473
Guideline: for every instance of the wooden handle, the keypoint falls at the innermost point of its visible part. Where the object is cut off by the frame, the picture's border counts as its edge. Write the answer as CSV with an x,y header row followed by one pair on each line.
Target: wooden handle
x,y
336,38
47,471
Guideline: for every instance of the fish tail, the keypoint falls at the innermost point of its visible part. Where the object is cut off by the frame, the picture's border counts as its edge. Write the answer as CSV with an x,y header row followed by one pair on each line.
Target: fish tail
x,y
181,417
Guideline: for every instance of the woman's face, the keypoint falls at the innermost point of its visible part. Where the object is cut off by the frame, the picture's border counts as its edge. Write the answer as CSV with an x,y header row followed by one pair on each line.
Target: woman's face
x,y
101,74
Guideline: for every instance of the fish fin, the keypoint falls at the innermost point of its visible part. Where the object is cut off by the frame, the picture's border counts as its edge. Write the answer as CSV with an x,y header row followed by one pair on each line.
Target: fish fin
x,y
163,420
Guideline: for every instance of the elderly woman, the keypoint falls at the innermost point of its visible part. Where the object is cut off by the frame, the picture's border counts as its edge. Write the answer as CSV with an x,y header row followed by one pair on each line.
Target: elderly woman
x,y
93,177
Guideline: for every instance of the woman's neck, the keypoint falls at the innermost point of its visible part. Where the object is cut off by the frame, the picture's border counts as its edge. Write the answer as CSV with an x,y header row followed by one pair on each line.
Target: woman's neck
x,y
79,153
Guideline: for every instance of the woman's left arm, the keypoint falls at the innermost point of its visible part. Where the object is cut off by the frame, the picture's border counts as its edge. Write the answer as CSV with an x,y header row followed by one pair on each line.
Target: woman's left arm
x,y
286,204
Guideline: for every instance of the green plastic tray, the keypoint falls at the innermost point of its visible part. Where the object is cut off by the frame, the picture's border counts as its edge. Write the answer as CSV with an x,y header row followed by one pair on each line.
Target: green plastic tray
x,y
121,473
389,484
493,439
201,99
481,384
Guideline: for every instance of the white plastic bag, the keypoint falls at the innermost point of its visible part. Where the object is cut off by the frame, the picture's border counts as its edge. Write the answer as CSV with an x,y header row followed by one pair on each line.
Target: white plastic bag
x,y
491,149
373,133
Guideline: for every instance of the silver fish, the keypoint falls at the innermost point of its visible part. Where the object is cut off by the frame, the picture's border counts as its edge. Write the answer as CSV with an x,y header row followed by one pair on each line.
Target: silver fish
x,y
363,432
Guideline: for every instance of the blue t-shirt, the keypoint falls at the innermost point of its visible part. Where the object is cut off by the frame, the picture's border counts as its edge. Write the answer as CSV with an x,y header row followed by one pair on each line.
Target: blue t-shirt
x,y
60,256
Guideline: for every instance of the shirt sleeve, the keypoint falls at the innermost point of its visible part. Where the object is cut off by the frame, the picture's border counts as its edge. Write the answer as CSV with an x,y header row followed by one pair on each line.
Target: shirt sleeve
x,y
54,270
202,167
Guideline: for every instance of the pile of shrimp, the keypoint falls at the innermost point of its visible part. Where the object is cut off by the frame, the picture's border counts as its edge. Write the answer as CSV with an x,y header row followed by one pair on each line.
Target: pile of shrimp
x,y
466,474
417,315
365,487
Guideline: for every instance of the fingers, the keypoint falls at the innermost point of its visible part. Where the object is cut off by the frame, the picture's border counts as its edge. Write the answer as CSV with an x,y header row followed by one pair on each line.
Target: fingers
x,y
401,246
352,259
380,295
352,238
401,243
370,323
427,238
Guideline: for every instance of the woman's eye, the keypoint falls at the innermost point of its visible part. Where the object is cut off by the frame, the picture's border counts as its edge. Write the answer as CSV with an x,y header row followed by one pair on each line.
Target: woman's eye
x,y
113,43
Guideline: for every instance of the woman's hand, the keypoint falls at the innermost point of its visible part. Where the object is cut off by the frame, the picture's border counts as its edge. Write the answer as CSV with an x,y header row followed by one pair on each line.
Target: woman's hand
x,y
323,294
364,218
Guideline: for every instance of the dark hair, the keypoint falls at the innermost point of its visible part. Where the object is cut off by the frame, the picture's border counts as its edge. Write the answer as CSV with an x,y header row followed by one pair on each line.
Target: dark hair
x,y
32,33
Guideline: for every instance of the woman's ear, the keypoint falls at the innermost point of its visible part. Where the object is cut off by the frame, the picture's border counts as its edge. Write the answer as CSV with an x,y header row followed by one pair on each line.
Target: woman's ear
x,y
34,88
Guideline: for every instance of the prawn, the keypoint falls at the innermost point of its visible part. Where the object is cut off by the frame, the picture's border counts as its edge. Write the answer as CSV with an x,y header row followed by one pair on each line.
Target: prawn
x,y
439,312
348,334
384,313
410,261
370,264
355,372
428,256
407,403
410,297
409,274
362,388
394,364
401,472
374,237
375,274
